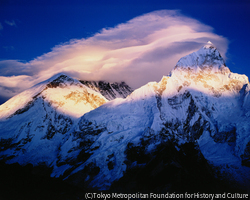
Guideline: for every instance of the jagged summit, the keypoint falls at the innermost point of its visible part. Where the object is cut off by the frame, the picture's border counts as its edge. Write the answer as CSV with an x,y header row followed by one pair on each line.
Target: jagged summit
x,y
61,80
205,71
58,80
209,45
208,58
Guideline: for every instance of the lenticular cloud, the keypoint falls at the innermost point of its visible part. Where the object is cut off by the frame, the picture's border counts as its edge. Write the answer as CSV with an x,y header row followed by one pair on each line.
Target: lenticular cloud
x,y
138,51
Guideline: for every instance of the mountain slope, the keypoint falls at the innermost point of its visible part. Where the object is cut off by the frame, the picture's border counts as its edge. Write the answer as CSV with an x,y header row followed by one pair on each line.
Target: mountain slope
x,y
200,102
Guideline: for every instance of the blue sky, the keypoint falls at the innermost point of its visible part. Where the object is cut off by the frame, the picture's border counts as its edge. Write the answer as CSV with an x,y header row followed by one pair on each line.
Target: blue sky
x,y
36,32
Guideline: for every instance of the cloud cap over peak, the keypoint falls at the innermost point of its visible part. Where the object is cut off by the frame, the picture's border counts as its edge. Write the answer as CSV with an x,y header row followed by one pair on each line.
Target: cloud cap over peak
x,y
141,50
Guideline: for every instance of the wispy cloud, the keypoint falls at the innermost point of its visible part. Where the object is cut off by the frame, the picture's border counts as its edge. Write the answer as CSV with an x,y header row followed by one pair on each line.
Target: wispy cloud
x,y
138,51
10,23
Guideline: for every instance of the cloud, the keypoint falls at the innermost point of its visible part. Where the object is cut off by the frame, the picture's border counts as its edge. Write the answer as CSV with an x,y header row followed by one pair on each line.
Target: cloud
x,y
1,26
10,23
14,67
10,86
138,51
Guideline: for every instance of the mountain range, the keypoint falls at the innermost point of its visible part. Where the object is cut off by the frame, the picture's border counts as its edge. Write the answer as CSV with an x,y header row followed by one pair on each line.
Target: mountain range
x,y
190,130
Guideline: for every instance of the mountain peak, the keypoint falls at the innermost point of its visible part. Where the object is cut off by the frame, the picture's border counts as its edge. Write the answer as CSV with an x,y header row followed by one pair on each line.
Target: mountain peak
x,y
60,79
209,45
208,58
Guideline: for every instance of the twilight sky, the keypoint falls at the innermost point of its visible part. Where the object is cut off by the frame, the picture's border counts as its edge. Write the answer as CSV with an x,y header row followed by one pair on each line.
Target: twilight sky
x,y
136,41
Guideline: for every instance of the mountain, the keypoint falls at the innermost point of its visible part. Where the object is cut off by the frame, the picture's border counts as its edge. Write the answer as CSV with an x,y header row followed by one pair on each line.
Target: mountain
x,y
200,102
34,123
63,93
191,129
109,90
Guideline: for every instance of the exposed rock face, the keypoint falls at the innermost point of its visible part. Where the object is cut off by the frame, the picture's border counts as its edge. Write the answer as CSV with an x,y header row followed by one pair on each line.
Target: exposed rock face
x,y
109,90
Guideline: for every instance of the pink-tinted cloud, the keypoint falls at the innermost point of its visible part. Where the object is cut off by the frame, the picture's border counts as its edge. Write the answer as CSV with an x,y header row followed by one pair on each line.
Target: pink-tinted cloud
x,y
138,51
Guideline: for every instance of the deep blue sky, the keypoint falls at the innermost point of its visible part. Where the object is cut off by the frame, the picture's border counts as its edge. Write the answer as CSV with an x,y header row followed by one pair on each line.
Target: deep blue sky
x,y
31,28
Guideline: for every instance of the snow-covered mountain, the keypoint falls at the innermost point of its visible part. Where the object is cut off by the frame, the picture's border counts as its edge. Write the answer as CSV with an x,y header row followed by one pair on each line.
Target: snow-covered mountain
x,y
109,90
34,123
200,102
61,92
